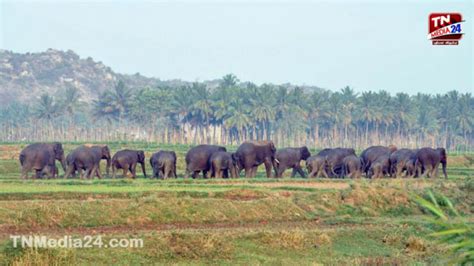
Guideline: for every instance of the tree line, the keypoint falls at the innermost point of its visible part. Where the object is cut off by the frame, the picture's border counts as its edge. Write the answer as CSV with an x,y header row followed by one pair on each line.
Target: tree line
x,y
237,111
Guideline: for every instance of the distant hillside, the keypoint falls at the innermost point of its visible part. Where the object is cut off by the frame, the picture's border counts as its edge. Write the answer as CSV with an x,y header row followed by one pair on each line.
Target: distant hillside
x,y
25,77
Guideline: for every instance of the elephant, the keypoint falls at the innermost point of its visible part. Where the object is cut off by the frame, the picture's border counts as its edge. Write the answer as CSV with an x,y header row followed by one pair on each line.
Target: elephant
x,y
334,160
163,164
411,168
399,159
197,159
379,167
251,154
352,166
290,158
88,158
50,171
36,156
127,160
372,153
316,166
428,160
221,163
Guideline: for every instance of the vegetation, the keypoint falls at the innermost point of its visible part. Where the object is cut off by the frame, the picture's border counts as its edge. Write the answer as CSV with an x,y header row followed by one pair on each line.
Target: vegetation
x,y
452,229
230,221
235,111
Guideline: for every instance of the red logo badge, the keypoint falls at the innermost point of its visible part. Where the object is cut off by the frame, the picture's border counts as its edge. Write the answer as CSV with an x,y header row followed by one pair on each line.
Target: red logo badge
x,y
445,28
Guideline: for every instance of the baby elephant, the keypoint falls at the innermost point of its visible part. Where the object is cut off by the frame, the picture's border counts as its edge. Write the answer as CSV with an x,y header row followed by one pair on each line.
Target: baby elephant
x,y
316,166
163,164
352,166
222,162
50,171
379,167
290,158
127,160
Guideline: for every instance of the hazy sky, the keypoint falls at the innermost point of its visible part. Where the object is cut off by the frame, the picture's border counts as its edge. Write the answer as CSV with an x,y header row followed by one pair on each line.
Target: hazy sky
x,y
367,45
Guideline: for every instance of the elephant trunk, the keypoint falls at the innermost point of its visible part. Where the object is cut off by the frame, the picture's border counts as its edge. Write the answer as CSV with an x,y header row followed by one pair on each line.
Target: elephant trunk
x,y
444,169
63,163
143,169
107,168
275,163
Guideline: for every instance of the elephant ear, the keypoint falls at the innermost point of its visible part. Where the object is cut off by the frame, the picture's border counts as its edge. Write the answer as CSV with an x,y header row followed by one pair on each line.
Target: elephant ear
x,y
174,155
442,152
58,148
272,146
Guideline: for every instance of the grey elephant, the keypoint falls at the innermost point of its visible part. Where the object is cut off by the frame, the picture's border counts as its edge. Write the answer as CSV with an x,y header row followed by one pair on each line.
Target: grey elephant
x,y
428,160
38,155
50,171
127,160
334,160
197,159
251,154
316,166
290,158
379,167
399,160
88,158
352,166
163,164
222,163
372,153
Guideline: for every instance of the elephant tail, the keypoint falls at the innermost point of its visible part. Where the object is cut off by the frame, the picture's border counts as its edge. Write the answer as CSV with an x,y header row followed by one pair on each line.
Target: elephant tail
x,y
22,158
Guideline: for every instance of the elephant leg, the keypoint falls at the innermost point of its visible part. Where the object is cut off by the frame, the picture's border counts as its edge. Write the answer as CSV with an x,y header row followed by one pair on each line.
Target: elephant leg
x,y
425,171
299,170
125,170
97,171
253,172
37,174
24,171
399,170
280,171
312,172
114,171
268,168
323,171
133,169
248,172
436,170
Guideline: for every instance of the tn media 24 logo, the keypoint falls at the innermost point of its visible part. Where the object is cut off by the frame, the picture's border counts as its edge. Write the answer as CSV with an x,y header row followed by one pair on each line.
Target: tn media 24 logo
x,y
445,28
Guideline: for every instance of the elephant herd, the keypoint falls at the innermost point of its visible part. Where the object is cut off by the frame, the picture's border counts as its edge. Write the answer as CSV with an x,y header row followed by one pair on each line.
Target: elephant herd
x,y
216,161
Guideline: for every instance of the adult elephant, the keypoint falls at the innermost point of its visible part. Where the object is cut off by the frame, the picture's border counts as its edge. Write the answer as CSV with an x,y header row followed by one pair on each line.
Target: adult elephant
x,y
197,159
372,153
163,164
222,163
428,160
38,155
316,166
335,160
399,160
127,160
290,158
88,158
251,154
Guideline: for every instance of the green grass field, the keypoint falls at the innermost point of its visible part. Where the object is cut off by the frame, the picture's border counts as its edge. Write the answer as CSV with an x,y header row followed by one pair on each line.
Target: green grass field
x,y
289,221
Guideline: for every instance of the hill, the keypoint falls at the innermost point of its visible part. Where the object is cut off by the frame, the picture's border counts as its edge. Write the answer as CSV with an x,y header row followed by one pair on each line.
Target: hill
x,y
24,75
